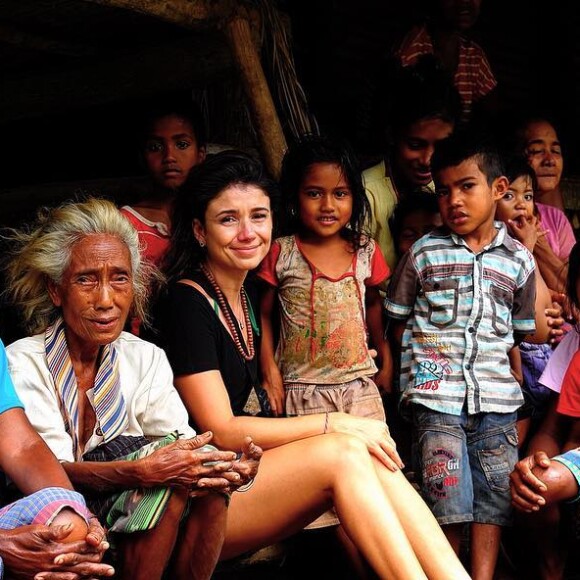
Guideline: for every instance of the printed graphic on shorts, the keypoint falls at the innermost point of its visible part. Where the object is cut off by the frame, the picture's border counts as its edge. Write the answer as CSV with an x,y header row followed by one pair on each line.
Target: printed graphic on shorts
x,y
440,472
434,364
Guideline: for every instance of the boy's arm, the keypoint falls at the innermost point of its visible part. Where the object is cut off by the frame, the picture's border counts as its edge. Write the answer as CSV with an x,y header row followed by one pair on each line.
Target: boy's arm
x,y
271,377
395,330
516,364
374,319
543,302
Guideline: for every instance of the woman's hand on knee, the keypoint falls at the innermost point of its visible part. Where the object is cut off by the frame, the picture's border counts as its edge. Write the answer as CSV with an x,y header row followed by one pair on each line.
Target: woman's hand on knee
x,y
374,433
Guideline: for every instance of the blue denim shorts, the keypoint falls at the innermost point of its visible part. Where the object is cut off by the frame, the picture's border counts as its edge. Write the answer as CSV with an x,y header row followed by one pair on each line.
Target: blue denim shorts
x,y
464,462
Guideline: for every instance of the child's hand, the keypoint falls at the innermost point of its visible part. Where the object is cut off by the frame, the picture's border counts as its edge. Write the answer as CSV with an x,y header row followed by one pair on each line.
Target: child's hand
x,y
274,387
525,231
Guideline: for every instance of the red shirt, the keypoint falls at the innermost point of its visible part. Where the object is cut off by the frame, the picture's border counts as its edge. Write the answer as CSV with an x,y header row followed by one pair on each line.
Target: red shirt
x,y
569,401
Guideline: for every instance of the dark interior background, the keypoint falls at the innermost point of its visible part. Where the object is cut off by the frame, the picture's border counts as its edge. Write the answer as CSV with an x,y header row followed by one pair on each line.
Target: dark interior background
x,y
338,46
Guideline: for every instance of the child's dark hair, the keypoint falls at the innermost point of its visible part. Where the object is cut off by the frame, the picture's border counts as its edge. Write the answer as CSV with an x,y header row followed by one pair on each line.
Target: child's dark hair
x,y
186,109
310,150
418,201
204,183
466,144
516,166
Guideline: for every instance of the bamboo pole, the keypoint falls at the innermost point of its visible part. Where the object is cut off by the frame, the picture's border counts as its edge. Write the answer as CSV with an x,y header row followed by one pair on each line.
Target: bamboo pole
x,y
189,14
265,117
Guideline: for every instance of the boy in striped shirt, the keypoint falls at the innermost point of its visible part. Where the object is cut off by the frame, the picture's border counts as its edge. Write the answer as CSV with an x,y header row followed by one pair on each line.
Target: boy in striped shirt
x,y
460,300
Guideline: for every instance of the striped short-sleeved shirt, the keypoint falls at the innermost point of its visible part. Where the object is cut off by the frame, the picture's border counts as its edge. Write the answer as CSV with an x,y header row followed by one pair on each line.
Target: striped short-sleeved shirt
x,y
473,78
463,311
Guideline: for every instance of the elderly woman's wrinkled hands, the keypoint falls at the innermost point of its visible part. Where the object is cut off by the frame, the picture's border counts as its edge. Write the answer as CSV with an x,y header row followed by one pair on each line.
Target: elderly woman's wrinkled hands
x,y
188,463
247,465
374,433
525,487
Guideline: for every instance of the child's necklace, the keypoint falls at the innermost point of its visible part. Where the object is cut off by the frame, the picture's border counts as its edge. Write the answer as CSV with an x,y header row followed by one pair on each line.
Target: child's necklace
x,y
226,311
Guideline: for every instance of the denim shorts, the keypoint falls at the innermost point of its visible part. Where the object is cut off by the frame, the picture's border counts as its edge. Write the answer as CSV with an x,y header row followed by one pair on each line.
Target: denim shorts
x,y
464,462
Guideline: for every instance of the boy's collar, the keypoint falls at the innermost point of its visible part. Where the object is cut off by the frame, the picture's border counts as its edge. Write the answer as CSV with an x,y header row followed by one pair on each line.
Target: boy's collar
x,y
500,238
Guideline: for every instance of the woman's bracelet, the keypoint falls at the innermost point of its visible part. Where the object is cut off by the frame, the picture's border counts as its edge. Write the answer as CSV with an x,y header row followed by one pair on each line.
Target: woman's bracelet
x,y
325,423
246,486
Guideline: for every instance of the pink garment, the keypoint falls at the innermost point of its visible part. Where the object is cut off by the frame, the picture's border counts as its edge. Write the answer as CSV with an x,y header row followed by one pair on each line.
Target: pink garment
x,y
474,78
555,370
560,233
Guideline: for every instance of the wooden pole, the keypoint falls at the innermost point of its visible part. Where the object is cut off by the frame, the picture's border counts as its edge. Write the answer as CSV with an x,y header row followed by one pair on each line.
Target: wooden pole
x,y
265,117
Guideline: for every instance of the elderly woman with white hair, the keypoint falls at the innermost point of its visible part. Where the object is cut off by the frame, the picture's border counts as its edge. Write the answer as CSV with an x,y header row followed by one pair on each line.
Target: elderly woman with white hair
x,y
104,402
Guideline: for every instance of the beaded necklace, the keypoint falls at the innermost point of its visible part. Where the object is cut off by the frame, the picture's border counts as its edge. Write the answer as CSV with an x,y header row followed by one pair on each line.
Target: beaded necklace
x,y
227,312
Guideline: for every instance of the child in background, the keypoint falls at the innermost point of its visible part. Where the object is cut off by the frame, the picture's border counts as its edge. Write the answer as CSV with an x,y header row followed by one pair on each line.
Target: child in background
x,y
461,297
413,218
517,210
323,281
172,142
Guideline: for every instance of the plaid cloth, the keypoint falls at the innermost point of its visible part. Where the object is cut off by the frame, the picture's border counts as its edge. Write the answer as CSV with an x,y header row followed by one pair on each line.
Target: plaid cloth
x,y
133,510
40,508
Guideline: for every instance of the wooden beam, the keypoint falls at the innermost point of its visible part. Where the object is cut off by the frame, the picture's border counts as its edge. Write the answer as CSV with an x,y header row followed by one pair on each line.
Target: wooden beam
x,y
265,117
28,41
183,64
186,13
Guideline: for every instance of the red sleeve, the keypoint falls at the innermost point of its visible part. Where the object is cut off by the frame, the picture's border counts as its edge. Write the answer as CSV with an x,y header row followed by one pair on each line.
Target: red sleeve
x,y
569,400
379,269
267,269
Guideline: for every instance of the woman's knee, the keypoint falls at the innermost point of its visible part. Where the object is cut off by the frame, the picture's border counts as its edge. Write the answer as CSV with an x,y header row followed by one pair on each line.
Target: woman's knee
x,y
344,451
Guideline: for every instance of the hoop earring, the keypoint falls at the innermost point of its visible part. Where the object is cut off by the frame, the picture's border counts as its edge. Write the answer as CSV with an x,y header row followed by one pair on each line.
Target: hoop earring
x,y
201,243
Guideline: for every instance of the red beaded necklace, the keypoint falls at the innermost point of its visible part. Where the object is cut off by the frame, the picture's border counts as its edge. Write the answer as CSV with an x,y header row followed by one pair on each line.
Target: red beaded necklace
x,y
227,312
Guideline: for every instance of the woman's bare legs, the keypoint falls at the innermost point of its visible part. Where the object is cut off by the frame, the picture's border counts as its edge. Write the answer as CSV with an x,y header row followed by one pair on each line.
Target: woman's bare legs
x,y
429,543
298,481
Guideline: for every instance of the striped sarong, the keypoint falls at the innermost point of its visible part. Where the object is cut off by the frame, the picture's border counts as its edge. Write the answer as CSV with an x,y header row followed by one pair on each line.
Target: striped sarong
x,y
133,510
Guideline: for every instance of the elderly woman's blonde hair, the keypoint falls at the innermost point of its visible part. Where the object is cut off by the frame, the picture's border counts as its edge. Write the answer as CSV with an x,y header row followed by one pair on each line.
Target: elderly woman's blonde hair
x,y
42,252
